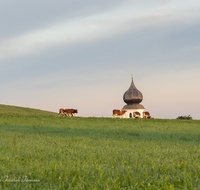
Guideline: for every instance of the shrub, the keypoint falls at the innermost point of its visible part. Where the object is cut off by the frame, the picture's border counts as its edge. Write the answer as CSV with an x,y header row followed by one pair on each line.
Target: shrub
x,y
185,117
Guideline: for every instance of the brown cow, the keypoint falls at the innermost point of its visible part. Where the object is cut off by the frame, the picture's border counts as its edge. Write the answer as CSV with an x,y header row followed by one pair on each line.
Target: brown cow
x,y
118,113
136,114
70,112
67,112
146,114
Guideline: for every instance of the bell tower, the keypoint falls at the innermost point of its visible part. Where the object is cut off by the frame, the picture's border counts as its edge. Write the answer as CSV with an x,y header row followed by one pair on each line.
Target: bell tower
x,y
133,97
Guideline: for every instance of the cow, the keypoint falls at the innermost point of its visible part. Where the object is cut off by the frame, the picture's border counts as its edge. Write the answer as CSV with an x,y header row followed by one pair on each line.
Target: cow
x,y
67,112
70,112
136,114
61,111
146,115
118,113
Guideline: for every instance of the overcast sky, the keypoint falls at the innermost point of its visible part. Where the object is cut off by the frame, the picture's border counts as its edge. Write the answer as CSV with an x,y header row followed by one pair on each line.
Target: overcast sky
x,y
81,54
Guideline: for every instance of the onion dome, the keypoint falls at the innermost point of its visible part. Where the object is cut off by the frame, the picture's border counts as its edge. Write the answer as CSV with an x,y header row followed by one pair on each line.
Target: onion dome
x,y
133,97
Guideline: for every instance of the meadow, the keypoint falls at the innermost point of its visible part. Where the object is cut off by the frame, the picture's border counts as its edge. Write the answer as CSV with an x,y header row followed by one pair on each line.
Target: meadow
x,y
97,153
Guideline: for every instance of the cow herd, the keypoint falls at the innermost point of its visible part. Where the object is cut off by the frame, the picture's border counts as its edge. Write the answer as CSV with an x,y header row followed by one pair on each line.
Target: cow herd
x,y
136,114
72,112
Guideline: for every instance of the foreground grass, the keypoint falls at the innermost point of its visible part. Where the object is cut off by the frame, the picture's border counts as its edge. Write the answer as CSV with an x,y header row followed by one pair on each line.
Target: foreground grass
x,y
99,153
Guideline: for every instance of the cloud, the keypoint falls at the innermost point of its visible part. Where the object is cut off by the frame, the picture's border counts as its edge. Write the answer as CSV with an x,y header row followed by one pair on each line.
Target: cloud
x,y
88,28
163,45
19,17
68,32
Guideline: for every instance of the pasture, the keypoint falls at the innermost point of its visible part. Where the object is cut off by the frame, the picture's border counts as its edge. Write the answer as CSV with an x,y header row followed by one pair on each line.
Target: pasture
x,y
98,153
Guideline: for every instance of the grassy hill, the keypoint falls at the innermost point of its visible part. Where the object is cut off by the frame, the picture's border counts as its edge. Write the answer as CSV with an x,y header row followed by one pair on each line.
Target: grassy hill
x,y
96,153
15,110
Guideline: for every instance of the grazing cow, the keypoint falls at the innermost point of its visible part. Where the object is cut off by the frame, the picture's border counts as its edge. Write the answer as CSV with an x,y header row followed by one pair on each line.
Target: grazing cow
x,y
136,114
146,114
68,112
118,113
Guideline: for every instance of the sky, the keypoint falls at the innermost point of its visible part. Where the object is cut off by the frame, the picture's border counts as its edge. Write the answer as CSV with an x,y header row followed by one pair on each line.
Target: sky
x,y
81,53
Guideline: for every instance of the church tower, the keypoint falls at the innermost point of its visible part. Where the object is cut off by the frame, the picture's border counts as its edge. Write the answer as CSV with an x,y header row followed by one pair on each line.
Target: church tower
x,y
132,97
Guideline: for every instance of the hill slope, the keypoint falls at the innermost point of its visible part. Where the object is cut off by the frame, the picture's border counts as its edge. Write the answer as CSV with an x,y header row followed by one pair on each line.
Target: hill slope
x,y
15,110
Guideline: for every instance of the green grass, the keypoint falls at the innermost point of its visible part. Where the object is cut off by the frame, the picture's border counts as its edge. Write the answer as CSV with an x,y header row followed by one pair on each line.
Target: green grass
x,y
15,110
99,153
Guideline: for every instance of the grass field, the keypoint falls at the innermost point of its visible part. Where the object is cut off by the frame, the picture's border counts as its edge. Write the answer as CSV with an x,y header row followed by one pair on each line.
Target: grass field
x,y
14,110
97,153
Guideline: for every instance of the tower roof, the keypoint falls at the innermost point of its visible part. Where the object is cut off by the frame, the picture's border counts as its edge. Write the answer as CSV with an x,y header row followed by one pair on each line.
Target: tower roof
x,y
132,95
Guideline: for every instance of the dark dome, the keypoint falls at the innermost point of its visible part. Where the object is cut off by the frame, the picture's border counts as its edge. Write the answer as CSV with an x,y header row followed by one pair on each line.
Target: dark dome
x,y
132,95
